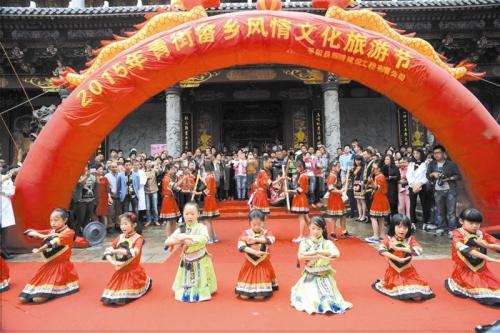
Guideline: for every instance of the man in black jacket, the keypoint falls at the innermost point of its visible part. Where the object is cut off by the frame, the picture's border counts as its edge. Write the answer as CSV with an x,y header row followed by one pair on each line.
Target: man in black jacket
x,y
443,174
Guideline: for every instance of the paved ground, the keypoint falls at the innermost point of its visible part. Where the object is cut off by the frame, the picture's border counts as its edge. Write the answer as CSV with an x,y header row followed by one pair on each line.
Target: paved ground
x,y
435,247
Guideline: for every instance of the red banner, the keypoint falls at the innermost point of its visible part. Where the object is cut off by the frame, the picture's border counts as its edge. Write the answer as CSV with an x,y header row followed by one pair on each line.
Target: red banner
x,y
96,106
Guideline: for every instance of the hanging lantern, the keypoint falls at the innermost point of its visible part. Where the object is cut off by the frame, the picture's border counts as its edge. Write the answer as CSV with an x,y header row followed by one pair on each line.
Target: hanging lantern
x,y
268,4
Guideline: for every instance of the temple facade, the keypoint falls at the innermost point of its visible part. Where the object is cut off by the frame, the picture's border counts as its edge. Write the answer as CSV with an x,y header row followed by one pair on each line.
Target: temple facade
x,y
255,106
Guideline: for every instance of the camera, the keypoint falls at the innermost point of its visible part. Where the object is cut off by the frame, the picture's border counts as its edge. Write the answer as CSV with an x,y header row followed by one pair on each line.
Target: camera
x,y
440,179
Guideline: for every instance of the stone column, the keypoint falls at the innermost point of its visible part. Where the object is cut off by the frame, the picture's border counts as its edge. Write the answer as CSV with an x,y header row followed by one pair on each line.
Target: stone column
x,y
173,121
332,116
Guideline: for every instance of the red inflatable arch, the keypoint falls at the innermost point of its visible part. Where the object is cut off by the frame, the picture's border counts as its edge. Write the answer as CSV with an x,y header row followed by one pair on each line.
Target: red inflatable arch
x,y
96,106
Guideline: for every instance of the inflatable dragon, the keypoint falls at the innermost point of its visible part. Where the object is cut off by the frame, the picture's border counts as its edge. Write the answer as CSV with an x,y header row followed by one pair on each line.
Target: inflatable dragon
x,y
374,21
182,11
190,10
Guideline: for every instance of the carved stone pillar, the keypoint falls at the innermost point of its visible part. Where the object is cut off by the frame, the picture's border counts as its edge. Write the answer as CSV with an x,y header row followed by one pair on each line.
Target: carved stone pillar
x,y
173,121
332,116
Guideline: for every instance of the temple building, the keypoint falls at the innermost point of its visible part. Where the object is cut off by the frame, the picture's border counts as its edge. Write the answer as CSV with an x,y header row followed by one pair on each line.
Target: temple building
x,y
246,106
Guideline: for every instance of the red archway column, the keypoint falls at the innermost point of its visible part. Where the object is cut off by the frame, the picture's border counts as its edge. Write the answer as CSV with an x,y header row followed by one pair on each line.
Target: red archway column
x,y
442,104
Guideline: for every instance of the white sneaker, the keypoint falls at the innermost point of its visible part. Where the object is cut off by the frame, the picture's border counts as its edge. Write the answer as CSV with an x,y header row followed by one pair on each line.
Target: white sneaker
x,y
298,239
372,239
440,232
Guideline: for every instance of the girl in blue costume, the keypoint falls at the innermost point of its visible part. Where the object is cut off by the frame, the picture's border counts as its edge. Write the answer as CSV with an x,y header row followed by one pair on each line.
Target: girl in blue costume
x,y
195,279
316,290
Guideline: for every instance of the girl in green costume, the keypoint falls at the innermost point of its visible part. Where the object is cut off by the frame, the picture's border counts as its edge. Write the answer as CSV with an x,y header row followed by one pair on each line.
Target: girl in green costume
x,y
195,279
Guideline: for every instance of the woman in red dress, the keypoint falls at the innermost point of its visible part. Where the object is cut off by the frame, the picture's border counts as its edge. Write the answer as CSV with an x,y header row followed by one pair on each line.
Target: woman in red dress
x,y
401,279
4,275
210,207
380,204
336,208
257,278
57,277
471,277
103,196
300,203
169,210
129,282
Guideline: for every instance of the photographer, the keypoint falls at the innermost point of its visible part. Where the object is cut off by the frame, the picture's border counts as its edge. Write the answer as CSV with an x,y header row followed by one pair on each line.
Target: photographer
x,y
277,164
85,199
444,174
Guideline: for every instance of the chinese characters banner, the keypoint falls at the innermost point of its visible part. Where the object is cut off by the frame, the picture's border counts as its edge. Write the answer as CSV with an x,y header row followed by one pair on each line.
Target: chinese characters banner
x,y
228,40
187,131
317,122
119,86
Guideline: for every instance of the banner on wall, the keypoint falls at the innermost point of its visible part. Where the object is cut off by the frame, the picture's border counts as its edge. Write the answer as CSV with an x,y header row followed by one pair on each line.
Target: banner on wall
x,y
158,148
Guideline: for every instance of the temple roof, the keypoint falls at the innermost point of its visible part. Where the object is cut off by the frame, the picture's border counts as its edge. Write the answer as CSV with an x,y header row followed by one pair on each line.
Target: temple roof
x,y
225,7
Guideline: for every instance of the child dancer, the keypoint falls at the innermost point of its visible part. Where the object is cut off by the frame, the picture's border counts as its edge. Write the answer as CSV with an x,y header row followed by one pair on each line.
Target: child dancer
x,y
336,208
210,208
316,290
379,208
401,280
471,277
129,282
57,277
260,200
4,275
300,203
195,279
186,183
257,278
169,209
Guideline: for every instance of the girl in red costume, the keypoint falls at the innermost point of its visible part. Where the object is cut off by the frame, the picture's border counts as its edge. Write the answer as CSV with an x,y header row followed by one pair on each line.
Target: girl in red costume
x,y
210,207
257,278
260,199
300,203
336,208
401,280
57,277
169,210
4,275
129,282
471,277
380,204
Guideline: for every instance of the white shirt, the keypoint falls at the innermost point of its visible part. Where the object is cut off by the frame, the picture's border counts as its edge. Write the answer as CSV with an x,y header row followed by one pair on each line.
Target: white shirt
x,y
7,190
417,176
141,195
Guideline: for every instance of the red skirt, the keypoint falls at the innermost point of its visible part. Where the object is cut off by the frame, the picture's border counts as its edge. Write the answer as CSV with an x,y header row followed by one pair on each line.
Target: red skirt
x,y
300,204
169,209
481,286
336,207
380,205
260,201
210,208
4,275
126,285
256,281
102,207
407,285
55,278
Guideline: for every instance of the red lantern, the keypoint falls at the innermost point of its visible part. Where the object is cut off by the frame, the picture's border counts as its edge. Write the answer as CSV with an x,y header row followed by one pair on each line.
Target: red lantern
x,y
268,5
